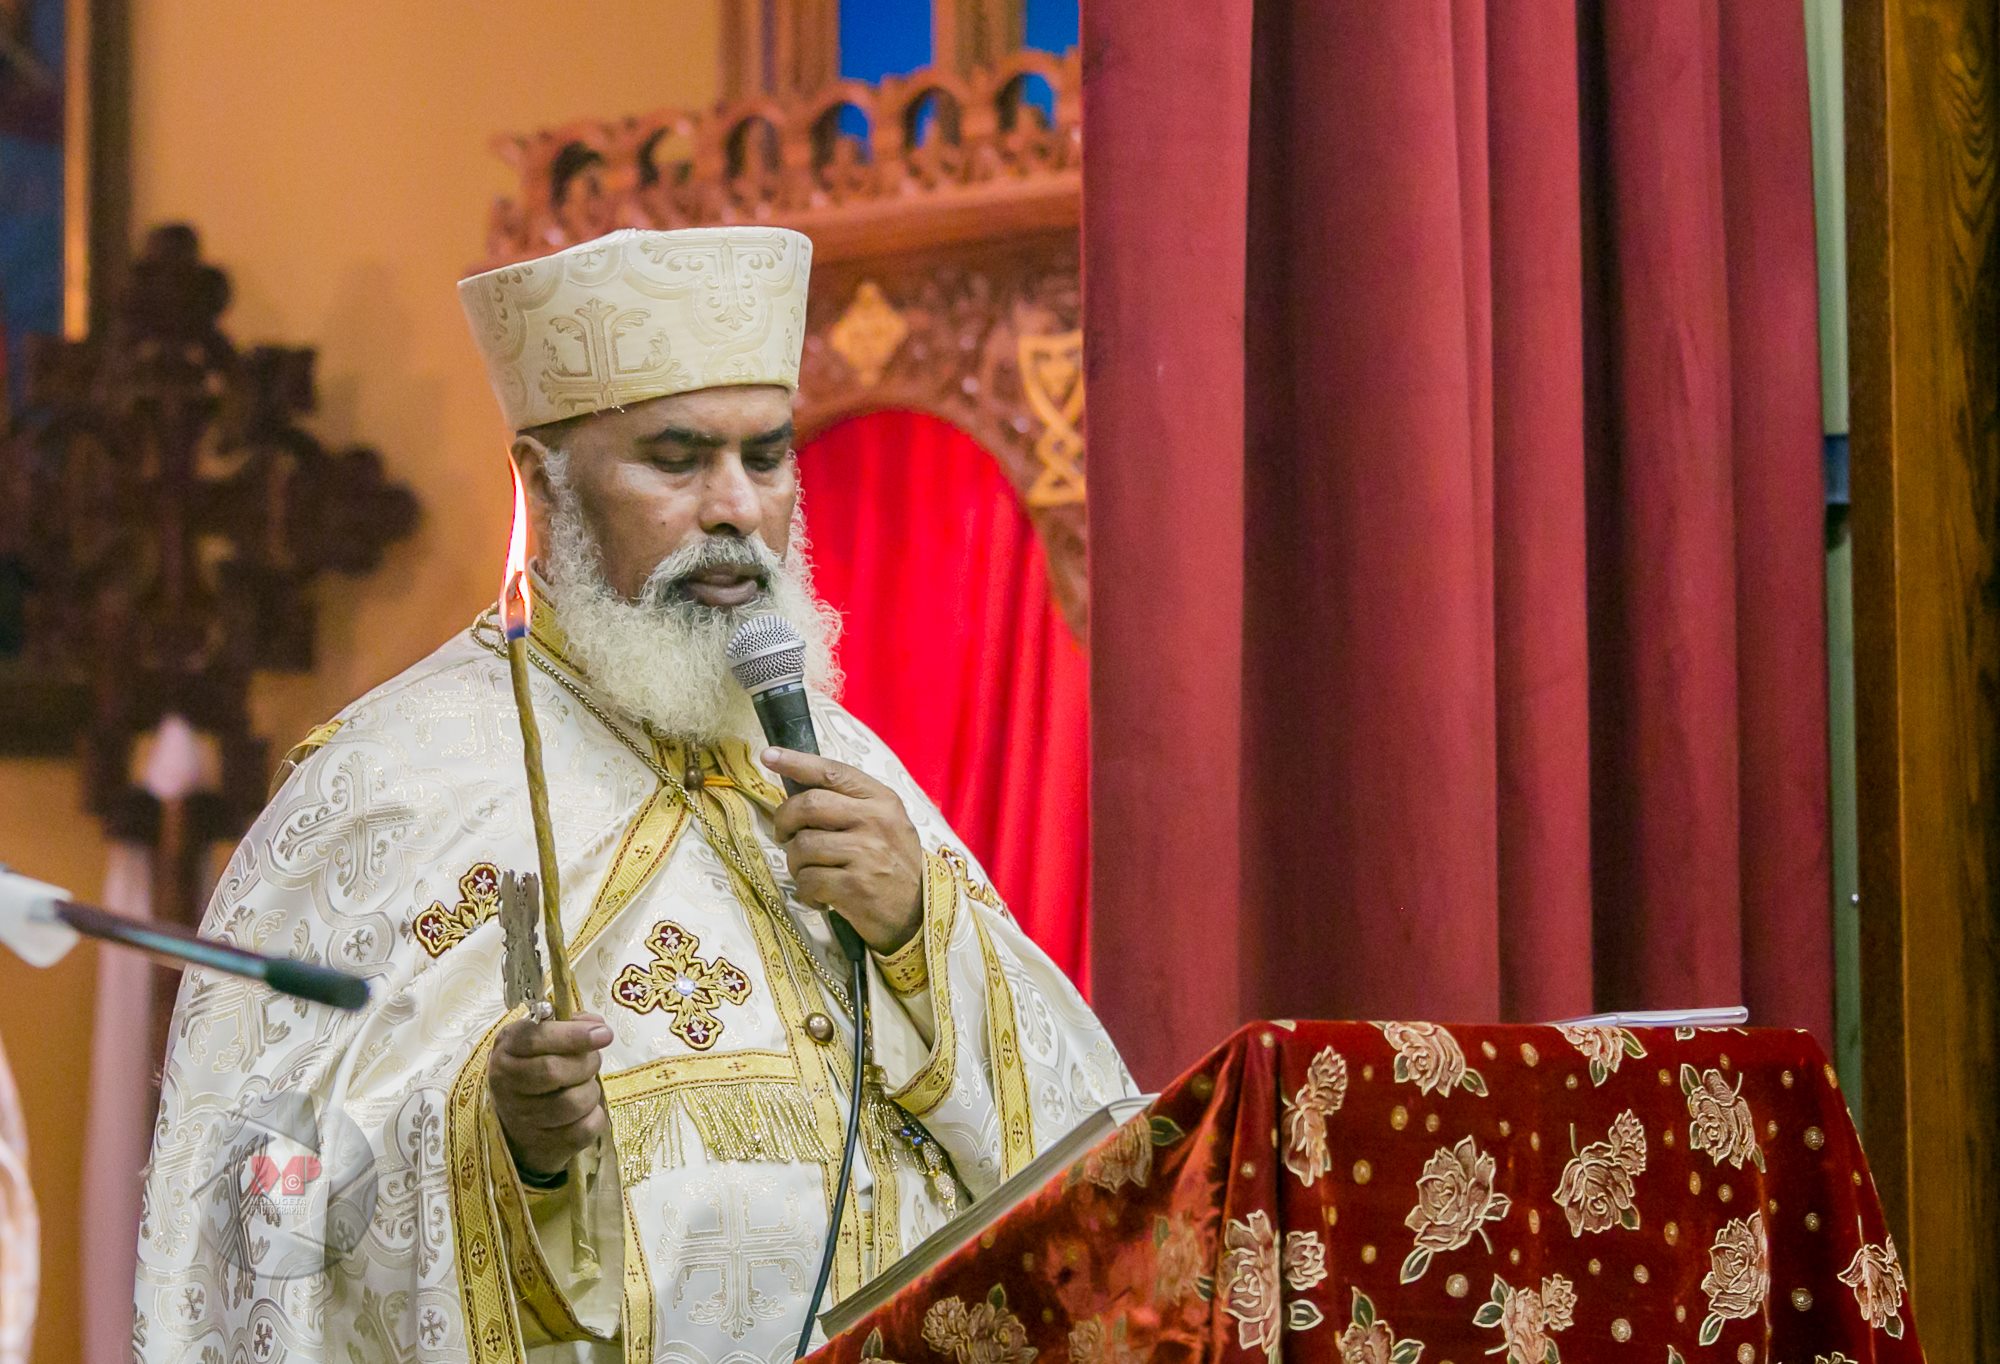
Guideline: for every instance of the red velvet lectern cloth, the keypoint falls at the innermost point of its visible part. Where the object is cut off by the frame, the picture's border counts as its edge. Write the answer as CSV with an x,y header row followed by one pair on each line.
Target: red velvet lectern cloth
x,y
1385,1193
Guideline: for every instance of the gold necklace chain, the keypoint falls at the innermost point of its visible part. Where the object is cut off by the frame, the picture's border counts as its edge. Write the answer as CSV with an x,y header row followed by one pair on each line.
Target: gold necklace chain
x,y
717,840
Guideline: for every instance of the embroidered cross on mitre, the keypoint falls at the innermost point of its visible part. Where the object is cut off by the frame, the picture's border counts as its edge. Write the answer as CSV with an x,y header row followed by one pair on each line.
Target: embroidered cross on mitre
x,y
680,983
437,928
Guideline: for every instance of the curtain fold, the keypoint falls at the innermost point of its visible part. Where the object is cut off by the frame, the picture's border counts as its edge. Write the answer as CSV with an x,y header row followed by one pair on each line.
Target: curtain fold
x,y
956,653
1479,615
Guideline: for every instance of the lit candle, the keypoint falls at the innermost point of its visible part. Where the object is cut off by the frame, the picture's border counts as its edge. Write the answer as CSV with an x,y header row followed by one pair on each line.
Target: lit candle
x,y
516,611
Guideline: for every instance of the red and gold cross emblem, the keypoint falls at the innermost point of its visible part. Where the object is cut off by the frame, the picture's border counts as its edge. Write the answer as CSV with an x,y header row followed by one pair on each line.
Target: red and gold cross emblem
x,y
680,983
438,928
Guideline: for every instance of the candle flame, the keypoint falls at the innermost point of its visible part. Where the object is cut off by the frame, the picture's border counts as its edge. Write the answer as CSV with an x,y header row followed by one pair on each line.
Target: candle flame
x,y
516,604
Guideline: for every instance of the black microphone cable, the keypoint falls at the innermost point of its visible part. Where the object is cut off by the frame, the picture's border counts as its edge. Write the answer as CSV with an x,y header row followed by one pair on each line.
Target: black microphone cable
x,y
857,959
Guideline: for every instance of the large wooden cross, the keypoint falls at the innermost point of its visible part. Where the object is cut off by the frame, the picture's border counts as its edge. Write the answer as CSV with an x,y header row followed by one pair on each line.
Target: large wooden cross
x,y
162,518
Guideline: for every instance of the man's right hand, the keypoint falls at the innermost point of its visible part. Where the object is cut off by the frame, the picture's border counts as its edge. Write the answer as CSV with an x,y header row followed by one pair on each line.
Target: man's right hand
x,y
543,1079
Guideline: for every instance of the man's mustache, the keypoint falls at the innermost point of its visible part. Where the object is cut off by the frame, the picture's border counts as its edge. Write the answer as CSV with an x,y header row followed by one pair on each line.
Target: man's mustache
x,y
663,586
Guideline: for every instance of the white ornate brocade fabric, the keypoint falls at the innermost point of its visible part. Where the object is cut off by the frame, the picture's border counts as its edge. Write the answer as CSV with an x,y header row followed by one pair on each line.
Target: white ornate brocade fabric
x,y
20,1233
329,1186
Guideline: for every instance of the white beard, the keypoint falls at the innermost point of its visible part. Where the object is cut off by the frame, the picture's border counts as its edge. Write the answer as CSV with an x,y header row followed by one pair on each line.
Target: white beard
x,y
663,658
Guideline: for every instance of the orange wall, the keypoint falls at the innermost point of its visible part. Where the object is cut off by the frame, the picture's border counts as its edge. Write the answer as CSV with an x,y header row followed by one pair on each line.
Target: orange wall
x,y
335,160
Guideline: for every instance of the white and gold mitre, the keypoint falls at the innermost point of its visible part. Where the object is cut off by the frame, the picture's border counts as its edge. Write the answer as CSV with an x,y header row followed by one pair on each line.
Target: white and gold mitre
x,y
638,314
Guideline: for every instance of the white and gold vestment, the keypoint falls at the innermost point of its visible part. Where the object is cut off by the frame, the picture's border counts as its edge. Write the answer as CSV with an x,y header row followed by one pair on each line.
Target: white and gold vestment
x,y
381,854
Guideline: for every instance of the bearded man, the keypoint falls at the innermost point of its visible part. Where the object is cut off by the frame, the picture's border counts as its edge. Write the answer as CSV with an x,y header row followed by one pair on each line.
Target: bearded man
x,y
437,1178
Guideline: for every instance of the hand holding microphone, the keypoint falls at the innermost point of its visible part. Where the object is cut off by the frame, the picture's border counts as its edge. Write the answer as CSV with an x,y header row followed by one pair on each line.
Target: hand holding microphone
x,y
849,840
851,847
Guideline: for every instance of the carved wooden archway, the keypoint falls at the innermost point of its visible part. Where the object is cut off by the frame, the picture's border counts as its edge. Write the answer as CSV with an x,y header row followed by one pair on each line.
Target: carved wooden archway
x,y
945,248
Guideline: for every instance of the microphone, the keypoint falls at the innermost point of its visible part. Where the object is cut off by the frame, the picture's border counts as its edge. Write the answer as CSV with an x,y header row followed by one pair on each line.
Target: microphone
x,y
41,923
769,661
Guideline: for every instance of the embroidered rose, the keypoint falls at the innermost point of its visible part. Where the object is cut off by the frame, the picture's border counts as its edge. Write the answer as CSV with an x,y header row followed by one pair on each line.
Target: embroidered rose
x,y
1876,1277
1739,1276
1719,1120
1368,1340
1125,1158
1597,1189
1430,1058
1527,1317
1521,1326
1305,1260
1324,1091
1603,1047
1090,1343
1558,1303
1177,1259
1255,1270
1366,1344
1455,1199
986,1333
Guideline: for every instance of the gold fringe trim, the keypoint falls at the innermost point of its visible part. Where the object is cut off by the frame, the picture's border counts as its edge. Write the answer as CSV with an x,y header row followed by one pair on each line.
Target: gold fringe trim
x,y
739,1120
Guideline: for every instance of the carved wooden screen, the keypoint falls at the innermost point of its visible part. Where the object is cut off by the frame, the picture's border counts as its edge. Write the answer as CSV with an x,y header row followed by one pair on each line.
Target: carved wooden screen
x,y
945,247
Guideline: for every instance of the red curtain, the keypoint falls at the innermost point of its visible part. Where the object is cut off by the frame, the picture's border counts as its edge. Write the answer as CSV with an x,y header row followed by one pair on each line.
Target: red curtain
x,y
956,654
1457,628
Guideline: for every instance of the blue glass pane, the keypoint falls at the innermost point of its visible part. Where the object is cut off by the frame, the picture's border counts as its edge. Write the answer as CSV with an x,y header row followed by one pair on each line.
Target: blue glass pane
x,y
884,38
1052,25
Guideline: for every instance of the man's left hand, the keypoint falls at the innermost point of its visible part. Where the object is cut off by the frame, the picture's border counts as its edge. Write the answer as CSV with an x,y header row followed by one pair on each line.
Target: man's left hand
x,y
851,847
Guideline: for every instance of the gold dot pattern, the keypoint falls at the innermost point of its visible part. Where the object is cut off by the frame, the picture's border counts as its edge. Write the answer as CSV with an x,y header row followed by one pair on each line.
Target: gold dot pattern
x,y
1457,1285
1621,1330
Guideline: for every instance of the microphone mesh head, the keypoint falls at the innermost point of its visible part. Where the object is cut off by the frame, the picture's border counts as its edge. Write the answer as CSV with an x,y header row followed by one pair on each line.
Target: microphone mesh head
x,y
766,652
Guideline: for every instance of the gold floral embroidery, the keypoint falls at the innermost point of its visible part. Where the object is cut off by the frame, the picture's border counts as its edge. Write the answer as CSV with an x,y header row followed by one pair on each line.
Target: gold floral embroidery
x,y
1876,1277
1430,1058
438,928
1739,1275
984,1334
1178,1259
1719,1120
1368,1339
1090,1343
1455,1200
680,983
1306,1113
1527,1317
1604,1047
1257,1268
1125,1158
1596,1189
